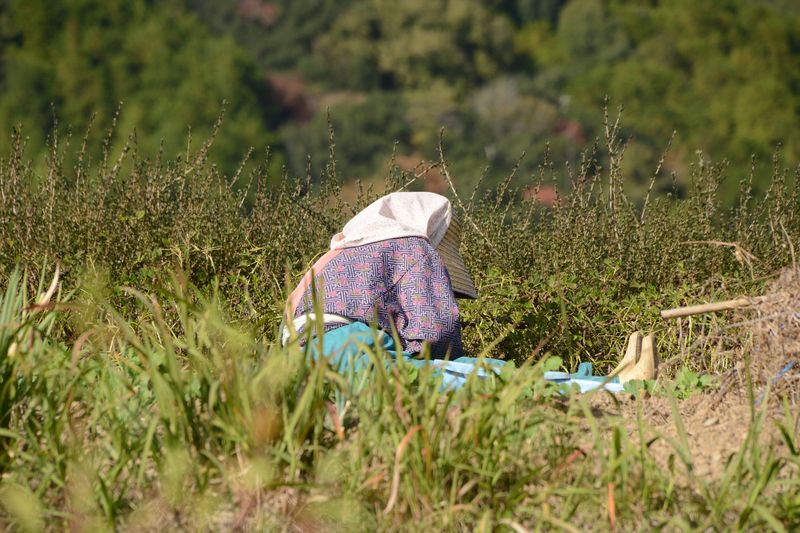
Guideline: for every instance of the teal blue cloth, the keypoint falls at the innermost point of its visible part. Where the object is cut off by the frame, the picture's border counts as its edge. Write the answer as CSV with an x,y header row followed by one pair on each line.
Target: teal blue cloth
x,y
345,350
585,372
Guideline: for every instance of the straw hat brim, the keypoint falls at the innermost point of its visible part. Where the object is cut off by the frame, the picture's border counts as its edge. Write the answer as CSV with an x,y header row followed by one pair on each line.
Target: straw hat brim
x,y
463,287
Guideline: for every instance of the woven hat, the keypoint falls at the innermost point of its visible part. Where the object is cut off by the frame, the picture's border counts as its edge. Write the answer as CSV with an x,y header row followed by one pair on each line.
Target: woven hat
x,y
451,257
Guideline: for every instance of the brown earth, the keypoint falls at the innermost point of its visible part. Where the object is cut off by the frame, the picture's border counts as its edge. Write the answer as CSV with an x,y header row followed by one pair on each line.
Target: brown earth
x,y
716,423
715,426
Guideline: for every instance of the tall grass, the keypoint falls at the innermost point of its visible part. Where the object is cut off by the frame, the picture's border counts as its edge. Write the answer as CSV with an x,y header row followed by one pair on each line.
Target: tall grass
x,y
151,394
580,274
182,420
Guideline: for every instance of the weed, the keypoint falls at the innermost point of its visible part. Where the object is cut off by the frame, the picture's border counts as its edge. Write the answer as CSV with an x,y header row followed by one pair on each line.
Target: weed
x,y
152,393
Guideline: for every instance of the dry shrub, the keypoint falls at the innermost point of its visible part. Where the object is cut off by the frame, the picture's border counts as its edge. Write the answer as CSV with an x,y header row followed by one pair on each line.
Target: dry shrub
x,y
775,353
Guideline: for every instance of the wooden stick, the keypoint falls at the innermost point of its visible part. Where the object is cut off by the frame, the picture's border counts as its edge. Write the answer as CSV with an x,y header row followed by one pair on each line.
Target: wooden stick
x,y
712,307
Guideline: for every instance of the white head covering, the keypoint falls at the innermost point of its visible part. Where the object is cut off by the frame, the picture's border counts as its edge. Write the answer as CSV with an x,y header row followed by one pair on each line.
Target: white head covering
x,y
412,214
400,214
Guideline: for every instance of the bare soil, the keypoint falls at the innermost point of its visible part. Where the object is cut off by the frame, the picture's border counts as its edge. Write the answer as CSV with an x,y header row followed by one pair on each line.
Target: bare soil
x,y
716,423
715,427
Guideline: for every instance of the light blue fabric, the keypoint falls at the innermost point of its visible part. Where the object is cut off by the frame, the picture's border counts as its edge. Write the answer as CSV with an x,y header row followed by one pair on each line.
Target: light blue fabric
x,y
584,379
345,349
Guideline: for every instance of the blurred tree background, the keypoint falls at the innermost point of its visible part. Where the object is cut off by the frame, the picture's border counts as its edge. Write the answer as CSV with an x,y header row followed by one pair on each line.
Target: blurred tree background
x,y
502,77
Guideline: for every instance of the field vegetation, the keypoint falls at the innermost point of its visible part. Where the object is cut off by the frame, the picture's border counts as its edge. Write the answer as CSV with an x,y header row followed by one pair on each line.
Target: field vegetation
x,y
146,251
504,76
142,387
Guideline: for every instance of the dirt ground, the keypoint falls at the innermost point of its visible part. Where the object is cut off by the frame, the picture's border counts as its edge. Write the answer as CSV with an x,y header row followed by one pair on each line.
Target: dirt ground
x,y
715,426
716,423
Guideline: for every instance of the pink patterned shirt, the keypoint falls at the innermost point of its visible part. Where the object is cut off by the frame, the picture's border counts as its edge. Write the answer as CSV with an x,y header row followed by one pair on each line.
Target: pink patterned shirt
x,y
400,282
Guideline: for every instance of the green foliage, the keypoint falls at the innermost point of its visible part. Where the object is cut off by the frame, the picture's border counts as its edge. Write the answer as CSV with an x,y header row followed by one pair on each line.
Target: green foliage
x,y
152,394
640,387
389,45
142,398
587,33
685,383
181,419
723,74
169,71
688,382
571,280
361,127
280,34
749,52
505,77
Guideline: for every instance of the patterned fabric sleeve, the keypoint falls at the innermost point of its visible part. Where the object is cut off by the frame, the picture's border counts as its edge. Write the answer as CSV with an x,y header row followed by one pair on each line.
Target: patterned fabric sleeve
x,y
427,307
403,284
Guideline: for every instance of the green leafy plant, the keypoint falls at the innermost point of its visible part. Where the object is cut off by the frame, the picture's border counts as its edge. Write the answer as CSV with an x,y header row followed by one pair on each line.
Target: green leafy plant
x,y
688,382
155,396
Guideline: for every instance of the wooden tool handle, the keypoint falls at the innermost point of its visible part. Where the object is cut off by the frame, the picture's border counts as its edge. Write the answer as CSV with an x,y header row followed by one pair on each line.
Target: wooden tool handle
x,y
712,307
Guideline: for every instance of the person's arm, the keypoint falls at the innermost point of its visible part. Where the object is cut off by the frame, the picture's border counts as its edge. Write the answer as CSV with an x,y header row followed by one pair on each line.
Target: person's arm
x,y
428,311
